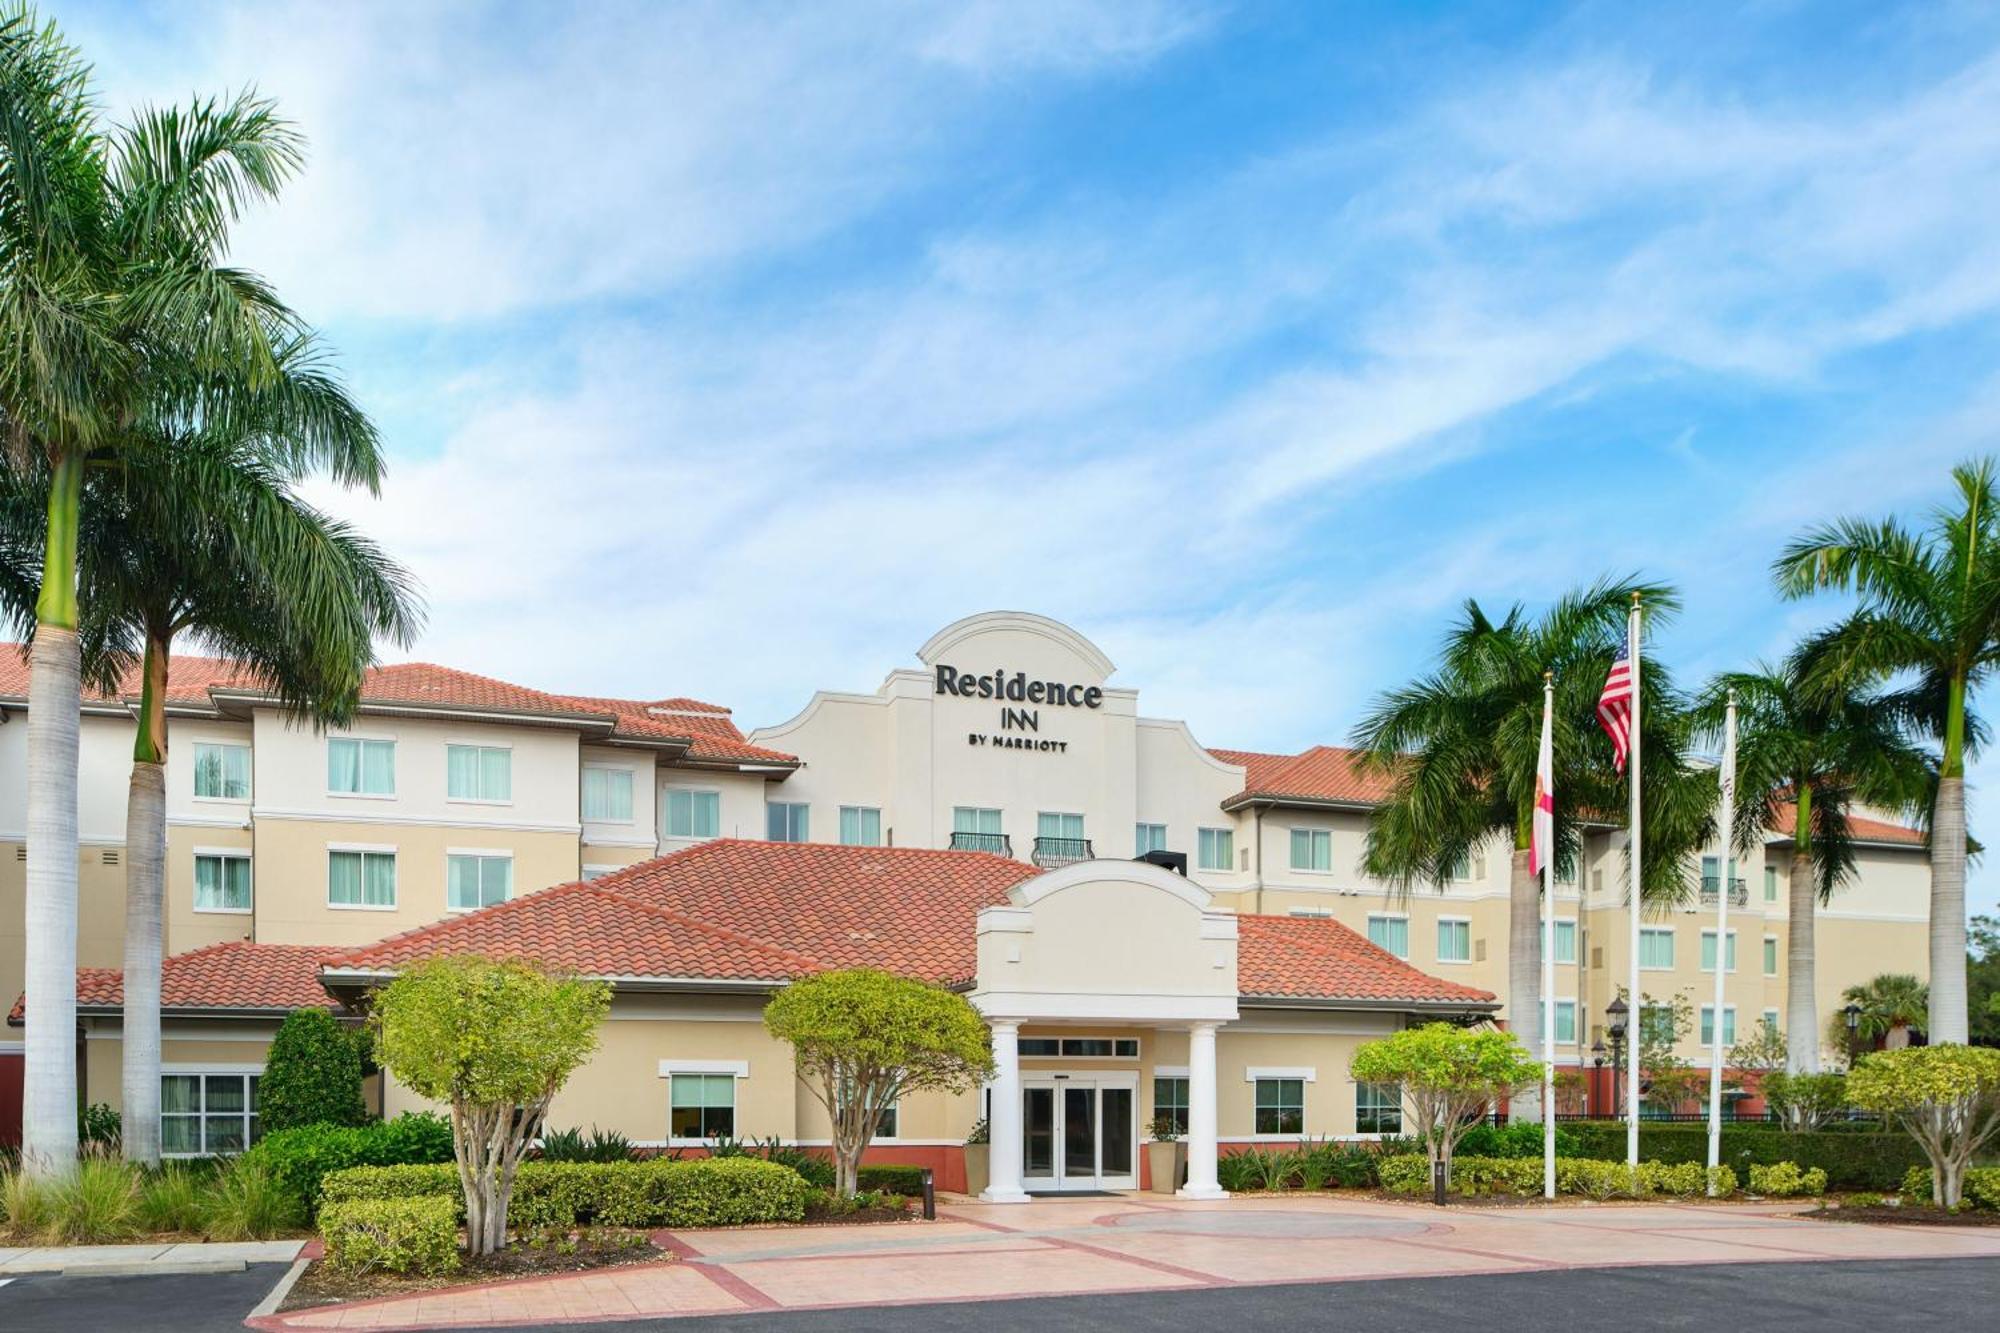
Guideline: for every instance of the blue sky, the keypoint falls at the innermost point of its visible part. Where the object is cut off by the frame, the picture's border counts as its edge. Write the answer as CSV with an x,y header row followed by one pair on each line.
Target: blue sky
x,y
729,349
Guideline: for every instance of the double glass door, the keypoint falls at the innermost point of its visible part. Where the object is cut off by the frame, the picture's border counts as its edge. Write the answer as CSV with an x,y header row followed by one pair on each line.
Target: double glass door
x,y
1078,1134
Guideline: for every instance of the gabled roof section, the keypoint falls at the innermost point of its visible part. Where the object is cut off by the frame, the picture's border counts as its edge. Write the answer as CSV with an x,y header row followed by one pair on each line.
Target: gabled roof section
x,y
236,974
1306,958
1785,819
1325,775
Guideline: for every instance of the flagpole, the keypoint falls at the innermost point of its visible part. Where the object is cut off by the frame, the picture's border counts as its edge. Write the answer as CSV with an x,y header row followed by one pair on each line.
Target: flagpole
x,y
1638,1015
1548,966
1728,789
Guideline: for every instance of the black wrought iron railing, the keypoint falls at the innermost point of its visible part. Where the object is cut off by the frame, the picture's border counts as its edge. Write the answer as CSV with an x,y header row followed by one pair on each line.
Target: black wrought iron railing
x,y
982,842
1061,851
1711,885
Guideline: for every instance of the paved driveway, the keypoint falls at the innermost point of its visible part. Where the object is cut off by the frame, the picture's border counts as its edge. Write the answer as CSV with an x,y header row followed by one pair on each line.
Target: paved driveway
x,y
980,1252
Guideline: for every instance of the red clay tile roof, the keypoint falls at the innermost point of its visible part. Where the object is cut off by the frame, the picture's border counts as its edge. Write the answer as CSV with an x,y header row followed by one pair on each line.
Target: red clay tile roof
x,y
761,911
1308,958
707,727
235,974
1325,773
1785,818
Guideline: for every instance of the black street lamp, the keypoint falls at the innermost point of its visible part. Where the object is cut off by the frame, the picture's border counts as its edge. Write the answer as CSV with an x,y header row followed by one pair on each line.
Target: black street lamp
x,y
1597,1062
1852,1013
1616,1011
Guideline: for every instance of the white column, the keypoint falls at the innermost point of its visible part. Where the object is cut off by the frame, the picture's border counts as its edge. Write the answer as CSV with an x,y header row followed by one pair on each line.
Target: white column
x,y
1201,1182
1003,1152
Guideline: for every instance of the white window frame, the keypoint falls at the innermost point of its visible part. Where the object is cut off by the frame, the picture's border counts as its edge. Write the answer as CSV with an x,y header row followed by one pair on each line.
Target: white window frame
x,y
1256,1075
1773,1018
1673,948
1369,926
1728,1025
1575,1020
1772,957
793,807
1726,951
631,795
1444,921
327,757
1770,884
860,811
1555,952
366,849
204,1072
1395,1090
667,808
1225,840
480,748
737,1069
479,854
194,776
1062,818
1060,1037
1314,837
592,870
1141,833
223,854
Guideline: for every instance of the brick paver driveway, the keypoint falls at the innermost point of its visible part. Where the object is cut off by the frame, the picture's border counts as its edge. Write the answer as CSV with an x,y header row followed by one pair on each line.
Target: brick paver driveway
x,y
1145,1243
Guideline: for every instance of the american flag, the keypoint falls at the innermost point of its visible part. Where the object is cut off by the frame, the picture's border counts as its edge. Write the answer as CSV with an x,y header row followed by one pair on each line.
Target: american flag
x,y
1614,706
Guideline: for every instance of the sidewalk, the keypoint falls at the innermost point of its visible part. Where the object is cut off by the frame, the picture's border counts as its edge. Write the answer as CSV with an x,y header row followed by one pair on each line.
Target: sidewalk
x,y
983,1252
156,1258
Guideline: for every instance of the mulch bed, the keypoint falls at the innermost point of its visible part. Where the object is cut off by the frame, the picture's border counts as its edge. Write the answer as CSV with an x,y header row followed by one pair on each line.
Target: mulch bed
x,y
1906,1215
609,1248
860,1216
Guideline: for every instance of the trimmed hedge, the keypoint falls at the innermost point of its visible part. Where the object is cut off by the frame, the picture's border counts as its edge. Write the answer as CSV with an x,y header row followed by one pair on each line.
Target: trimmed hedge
x,y
1852,1159
312,1075
1410,1173
1783,1180
705,1192
905,1180
300,1159
397,1235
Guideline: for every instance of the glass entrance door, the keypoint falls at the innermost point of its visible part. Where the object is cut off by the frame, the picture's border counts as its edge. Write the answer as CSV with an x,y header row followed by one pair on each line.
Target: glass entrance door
x,y
1077,1134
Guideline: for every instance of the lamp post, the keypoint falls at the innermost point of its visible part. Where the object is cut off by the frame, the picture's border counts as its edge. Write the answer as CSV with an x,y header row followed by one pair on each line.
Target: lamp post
x,y
1616,1012
1852,1013
1597,1083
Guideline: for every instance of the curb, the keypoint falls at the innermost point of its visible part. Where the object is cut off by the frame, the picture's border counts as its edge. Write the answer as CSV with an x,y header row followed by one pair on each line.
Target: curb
x,y
276,1296
152,1268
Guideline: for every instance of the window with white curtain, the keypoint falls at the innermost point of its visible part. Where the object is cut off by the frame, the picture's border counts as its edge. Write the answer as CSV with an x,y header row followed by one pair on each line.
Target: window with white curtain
x,y
360,878
474,880
1216,849
1708,952
1728,1025
1454,940
788,821
1656,948
1391,933
1148,838
221,772
207,1114
221,882
478,773
607,795
356,767
1312,849
1565,942
693,814
860,826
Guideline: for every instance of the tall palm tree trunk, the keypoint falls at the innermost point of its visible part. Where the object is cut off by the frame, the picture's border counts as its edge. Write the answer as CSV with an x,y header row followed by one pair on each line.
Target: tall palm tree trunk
x,y
1948,1017
1801,1002
1524,975
145,893
55,701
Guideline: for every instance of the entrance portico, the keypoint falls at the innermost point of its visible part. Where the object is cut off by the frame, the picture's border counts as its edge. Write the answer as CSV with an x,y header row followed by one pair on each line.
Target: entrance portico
x,y
1094,946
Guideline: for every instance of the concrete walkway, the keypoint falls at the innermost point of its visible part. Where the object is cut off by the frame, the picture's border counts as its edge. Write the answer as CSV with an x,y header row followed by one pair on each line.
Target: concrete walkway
x,y
155,1257
981,1252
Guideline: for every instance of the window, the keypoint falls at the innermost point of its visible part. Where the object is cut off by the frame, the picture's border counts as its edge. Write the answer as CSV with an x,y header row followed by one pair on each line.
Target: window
x,y
787,822
473,880
1728,1025
1771,1020
1656,1022
1469,869
1454,940
1311,913
1391,933
1281,1106
599,872
1170,1102
1770,955
860,826
1565,942
1565,1022
1708,952
704,1106
360,879
1378,1108
693,814
360,768
221,882
1148,838
1710,867
607,795
478,773
203,1114
221,772
1656,947
1215,849
975,819
1312,849
1074,1048
885,1123
1049,824
1770,884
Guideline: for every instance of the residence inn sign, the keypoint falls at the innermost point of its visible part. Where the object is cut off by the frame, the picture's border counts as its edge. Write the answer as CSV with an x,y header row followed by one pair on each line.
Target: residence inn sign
x,y
1019,726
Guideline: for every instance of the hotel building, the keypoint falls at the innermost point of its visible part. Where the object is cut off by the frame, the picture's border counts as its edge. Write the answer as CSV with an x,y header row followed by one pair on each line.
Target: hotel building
x,y
1153,926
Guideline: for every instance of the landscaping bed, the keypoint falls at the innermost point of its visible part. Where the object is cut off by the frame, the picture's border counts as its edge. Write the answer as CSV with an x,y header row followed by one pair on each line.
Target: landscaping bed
x,y
538,1255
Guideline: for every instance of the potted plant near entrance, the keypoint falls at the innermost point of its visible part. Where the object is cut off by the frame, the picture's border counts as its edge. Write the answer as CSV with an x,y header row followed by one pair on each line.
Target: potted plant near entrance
x,y
1166,1155
975,1158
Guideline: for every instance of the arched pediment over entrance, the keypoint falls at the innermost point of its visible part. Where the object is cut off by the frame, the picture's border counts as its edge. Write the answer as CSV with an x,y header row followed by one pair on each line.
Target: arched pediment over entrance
x,y
1107,941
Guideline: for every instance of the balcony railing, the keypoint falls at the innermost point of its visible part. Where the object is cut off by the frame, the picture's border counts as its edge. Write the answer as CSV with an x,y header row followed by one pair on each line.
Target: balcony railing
x,y
982,842
1050,852
1739,893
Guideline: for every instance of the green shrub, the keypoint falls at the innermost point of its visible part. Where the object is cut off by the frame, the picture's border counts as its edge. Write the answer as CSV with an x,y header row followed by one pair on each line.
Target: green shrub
x,y
1916,1186
312,1075
300,1158
907,1181
1236,1173
175,1198
1852,1159
24,1203
1596,1178
713,1191
97,1125
1982,1187
1864,1201
1784,1180
1517,1140
1409,1173
1683,1180
250,1203
573,1145
96,1204
1405,1173
1724,1177
416,1235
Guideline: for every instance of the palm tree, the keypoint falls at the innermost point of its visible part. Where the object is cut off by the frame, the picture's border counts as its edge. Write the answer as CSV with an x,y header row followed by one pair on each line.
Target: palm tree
x,y
118,315
1891,1004
1461,745
1929,621
1805,758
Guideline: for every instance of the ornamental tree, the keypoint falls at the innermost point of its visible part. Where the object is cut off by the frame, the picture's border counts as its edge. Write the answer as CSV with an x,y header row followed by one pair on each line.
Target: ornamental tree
x,y
496,1041
1946,1097
1448,1076
1805,1101
863,1038
312,1075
